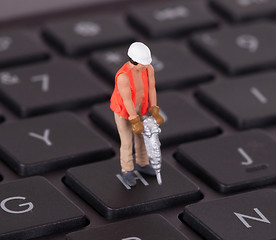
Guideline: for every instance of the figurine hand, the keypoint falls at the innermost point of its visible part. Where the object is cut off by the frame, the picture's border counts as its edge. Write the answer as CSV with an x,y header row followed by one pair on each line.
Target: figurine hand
x,y
154,110
137,126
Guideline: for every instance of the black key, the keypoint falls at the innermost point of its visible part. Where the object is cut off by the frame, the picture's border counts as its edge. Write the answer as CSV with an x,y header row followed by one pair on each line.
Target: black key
x,y
150,227
33,207
244,216
20,47
232,163
184,123
32,8
40,144
239,10
2,117
172,18
77,36
103,116
245,103
101,185
242,49
53,86
173,65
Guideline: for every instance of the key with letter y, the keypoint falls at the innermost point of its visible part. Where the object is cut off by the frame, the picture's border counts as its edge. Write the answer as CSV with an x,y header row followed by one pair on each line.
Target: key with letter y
x,y
41,144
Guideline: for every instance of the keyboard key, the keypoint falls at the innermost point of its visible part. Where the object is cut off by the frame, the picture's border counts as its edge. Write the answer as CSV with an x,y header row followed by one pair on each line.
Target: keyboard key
x,y
239,10
241,49
232,163
171,18
2,117
45,143
103,116
244,216
52,86
77,36
173,65
100,184
20,47
33,8
182,124
253,104
33,207
150,227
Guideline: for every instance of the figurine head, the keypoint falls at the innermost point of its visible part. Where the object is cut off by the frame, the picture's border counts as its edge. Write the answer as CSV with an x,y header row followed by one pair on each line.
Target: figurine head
x,y
140,56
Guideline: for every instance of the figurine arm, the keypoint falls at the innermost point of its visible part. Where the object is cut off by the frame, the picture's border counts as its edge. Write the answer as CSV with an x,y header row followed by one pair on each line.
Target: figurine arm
x,y
152,90
154,109
125,92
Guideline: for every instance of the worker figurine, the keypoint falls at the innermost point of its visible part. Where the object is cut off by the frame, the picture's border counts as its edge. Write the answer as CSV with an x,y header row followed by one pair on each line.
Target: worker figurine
x,y
133,96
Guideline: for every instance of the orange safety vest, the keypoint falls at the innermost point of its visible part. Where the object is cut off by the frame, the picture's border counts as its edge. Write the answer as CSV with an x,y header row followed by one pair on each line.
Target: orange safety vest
x,y
117,104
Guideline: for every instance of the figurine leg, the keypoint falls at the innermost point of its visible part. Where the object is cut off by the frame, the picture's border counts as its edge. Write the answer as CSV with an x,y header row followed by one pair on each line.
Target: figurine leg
x,y
140,150
125,132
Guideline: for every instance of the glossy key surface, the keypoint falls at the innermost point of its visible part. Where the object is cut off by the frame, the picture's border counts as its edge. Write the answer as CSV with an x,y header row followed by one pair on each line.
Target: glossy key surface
x,y
33,207
185,124
150,227
246,102
173,65
49,142
81,35
51,86
100,185
239,10
241,49
232,162
243,216
169,18
20,47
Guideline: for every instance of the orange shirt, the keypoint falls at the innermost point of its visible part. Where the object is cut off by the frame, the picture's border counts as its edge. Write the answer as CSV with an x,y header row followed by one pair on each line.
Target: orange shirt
x,y
117,104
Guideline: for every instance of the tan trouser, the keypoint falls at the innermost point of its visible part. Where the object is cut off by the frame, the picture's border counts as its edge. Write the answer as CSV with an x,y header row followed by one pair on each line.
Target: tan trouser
x,y
126,155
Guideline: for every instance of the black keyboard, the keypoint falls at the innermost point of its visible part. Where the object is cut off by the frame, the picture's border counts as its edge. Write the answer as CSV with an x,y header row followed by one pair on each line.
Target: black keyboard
x,y
214,64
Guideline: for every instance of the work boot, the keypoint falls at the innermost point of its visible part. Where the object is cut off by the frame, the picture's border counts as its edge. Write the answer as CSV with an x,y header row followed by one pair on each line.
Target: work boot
x,y
147,169
129,178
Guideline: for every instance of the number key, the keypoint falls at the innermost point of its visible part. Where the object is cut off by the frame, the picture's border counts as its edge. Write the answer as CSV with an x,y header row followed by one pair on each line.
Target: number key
x,y
241,49
173,65
50,87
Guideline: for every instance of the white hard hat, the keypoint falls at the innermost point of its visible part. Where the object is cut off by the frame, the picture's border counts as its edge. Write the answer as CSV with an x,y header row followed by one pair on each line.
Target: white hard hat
x,y
139,53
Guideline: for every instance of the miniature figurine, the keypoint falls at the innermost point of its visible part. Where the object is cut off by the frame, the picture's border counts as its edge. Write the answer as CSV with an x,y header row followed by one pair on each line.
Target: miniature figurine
x,y
152,143
133,96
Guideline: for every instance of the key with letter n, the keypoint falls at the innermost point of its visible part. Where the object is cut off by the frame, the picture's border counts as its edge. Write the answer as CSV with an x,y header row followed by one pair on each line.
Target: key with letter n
x,y
239,217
